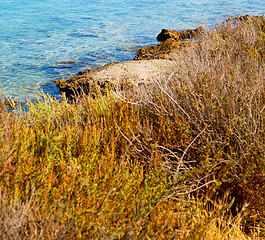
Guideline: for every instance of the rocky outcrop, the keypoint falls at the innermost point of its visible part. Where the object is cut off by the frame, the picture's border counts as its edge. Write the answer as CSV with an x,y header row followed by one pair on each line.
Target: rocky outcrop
x,y
245,18
177,35
152,62
161,50
123,75
170,40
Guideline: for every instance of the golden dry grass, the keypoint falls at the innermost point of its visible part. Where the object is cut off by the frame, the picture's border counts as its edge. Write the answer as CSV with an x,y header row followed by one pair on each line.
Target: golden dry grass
x,y
181,159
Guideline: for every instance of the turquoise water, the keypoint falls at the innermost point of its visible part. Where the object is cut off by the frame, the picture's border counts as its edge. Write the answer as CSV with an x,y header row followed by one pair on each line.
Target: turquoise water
x,y
43,40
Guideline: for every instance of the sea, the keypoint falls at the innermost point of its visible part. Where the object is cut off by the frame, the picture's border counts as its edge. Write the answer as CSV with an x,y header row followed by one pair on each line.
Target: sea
x,y
45,40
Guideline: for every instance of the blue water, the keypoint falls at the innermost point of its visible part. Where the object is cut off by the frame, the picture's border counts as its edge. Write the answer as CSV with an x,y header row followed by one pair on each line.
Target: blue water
x,y
43,40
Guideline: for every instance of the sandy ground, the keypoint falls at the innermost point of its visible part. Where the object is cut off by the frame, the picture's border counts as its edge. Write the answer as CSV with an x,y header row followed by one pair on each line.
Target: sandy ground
x,y
133,71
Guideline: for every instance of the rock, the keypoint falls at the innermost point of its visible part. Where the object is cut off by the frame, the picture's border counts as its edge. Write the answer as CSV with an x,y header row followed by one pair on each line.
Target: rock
x,y
125,75
170,40
161,50
191,33
178,35
245,18
166,34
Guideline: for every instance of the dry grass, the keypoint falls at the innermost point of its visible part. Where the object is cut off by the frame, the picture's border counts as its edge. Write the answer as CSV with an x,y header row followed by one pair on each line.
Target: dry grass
x,y
182,159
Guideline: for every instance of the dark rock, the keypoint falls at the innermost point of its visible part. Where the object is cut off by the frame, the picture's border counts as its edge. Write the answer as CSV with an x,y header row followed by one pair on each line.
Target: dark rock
x,y
170,40
79,85
191,33
178,35
166,34
245,18
161,50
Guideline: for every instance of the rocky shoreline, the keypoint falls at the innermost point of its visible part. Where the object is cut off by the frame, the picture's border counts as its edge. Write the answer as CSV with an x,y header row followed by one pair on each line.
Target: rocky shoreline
x,y
150,62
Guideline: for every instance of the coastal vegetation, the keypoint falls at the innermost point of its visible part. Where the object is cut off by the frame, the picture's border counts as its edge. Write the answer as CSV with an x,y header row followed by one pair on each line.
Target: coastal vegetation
x,y
182,157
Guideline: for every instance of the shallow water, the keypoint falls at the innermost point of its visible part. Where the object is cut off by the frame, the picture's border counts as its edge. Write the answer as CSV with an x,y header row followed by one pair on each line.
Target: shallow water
x,y
43,40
